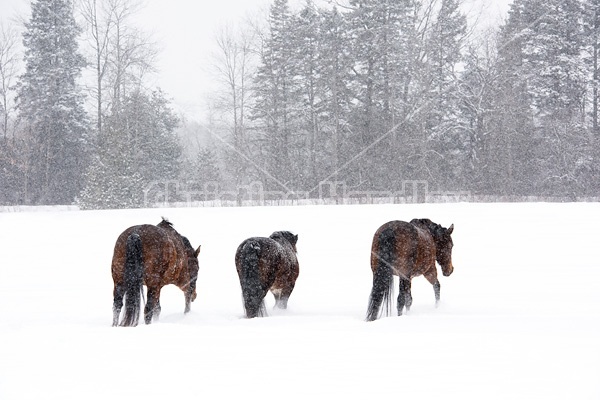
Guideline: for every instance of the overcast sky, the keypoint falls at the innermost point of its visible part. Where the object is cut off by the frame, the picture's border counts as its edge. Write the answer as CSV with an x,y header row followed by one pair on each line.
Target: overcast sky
x,y
185,31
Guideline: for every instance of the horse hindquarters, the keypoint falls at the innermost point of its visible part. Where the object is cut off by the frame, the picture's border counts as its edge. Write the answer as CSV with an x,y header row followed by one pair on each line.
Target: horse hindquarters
x,y
133,280
253,294
382,259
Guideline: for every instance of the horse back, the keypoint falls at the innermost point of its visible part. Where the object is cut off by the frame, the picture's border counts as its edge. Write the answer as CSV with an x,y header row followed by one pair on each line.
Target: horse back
x,y
412,247
175,260
276,263
158,253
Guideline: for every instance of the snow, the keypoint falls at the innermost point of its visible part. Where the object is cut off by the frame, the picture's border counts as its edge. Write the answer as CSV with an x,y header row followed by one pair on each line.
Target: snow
x,y
519,318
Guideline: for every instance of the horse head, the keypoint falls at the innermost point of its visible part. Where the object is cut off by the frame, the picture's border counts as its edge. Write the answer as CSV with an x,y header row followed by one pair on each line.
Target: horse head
x,y
192,265
443,243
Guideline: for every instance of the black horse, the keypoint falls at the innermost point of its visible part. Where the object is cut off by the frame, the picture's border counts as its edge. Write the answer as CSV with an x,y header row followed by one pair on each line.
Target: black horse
x,y
267,264
407,250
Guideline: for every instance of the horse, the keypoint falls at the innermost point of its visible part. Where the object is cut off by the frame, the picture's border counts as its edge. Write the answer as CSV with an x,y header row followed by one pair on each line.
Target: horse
x,y
407,249
154,256
267,264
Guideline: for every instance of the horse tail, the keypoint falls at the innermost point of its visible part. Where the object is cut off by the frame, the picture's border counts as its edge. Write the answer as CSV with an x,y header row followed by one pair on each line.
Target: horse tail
x,y
383,279
252,291
134,269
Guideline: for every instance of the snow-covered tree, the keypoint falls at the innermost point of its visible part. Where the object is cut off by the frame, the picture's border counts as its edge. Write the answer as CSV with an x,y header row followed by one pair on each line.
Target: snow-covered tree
x,y
205,169
444,55
476,95
274,108
111,183
335,77
140,147
51,103
552,65
148,124
385,50
554,77
306,36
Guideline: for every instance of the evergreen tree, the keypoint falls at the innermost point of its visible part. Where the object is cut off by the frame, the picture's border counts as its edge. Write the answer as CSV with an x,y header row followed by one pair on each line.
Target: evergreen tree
x,y
148,124
111,183
553,75
552,44
335,105
590,163
591,42
306,36
273,101
140,148
11,172
446,40
50,102
205,168
513,167
384,52
477,89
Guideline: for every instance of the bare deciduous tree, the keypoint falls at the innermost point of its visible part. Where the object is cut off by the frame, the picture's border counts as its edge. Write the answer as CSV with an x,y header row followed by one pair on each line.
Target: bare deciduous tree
x,y
232,65
122,54
99,25
8,73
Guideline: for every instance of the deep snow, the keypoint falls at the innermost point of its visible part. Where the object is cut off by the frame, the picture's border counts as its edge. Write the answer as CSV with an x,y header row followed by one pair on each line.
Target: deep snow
x,y
519,318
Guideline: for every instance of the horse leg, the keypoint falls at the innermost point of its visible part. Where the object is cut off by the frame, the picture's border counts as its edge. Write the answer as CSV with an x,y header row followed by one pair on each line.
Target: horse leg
x,y
279,301
403,295
432,278
436,290
151,304
282,301
408,295
157,309
188,301
282,296
118,294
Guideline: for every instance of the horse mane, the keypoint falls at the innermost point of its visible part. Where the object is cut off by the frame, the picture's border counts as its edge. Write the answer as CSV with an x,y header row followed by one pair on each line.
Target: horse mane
x,y
289,236
165,223
431,226
186,243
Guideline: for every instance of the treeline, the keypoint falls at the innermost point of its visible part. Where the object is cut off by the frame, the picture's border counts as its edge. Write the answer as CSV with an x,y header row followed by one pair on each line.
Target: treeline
x,y
370,93
376,92
97,144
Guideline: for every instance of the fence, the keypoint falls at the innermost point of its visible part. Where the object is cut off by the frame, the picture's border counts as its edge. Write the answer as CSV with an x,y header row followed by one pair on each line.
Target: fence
x,y
190,194
177,194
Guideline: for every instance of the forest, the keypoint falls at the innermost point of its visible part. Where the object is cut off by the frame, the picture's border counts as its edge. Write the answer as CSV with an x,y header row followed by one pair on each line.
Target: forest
x,y
371,93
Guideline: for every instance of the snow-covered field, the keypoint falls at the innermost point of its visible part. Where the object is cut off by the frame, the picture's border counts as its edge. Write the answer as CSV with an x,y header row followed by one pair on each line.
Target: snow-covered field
x,y
519,318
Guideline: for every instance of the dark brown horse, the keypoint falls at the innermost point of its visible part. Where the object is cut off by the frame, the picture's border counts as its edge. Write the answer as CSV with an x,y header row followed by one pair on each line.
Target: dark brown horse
x,y
267,264
154,256
407,250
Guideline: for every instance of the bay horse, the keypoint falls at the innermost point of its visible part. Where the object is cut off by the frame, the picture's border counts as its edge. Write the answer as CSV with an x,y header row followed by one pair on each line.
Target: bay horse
x,y
407,250
155,256
267,264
